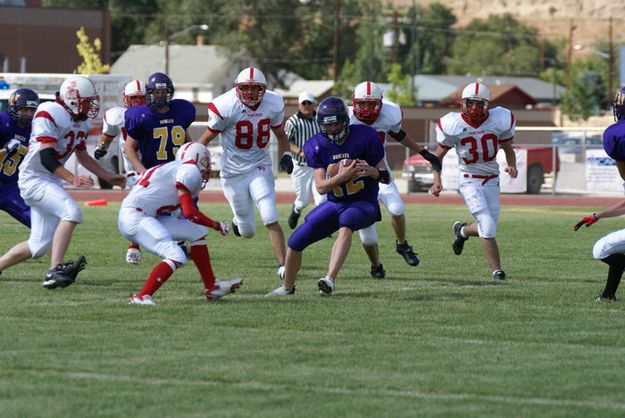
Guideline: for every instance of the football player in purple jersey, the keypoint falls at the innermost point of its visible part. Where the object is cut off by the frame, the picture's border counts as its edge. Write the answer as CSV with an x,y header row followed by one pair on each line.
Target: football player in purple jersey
x,y
15,127
611,248
352,191
158,128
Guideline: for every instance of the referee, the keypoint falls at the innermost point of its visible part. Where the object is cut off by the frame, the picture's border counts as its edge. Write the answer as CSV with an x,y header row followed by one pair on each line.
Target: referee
x,y
299,128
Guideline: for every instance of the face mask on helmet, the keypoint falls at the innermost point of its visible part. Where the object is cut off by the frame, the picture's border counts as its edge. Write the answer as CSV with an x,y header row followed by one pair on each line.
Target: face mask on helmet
x,y
333,119
367,102
159,90
618,105
250,87
22,104
474,103
134,94
79,97
200,155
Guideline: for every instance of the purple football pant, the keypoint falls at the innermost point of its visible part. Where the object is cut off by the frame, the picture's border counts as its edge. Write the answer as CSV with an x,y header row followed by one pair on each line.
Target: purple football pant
x,y
12,203
329,217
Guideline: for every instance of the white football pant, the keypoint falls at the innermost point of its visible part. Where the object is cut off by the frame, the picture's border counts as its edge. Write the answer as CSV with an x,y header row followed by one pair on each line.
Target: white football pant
x,y
482,200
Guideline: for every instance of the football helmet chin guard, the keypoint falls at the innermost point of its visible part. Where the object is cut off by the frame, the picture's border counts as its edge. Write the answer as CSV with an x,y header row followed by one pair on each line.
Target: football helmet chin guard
x,y
618,105
475,114
20,99
250,77
200,155
159,81
332,111
367,102
134,94
79,97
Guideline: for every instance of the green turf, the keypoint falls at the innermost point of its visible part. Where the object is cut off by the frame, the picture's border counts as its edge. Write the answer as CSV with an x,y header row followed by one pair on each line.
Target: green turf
x,y
436,340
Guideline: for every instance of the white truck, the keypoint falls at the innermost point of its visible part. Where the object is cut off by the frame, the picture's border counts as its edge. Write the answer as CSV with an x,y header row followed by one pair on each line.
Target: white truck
x,y
108,86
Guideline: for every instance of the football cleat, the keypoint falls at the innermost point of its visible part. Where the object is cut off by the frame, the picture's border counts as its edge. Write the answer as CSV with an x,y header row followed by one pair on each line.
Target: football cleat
x,y
406,251
281,291
499,276
378,272
64,274
326,286
222,288
141,300
608,299
293,218
459,240
235,229
133,255
281,270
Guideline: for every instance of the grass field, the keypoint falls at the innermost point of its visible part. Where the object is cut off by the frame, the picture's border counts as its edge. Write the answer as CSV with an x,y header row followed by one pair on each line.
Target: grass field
x,y
436,340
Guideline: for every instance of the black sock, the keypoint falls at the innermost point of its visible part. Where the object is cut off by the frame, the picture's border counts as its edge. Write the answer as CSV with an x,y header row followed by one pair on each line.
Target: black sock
x,y
615,273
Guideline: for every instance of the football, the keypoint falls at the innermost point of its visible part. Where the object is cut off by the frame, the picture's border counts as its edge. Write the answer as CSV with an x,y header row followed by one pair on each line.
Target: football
x,y
334,170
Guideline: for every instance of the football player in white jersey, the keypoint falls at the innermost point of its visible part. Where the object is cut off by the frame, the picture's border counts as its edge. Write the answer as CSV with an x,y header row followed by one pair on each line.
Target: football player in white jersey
x,y
245,116
59,129
369,108
113,125
476,133
144,219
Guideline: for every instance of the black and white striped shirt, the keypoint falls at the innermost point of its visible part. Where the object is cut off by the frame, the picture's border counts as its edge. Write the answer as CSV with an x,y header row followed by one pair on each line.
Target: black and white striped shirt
x,y
299,129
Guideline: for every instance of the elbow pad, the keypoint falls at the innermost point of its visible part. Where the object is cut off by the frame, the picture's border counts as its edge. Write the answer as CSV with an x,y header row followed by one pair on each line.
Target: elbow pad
x,y
48,159
384,176
399,136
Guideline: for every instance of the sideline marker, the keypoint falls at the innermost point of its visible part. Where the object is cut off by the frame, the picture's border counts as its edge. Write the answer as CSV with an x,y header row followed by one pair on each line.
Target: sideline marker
x,y
99,202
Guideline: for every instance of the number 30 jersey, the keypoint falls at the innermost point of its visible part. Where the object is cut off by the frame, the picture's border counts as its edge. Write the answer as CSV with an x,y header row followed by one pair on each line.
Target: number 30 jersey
x,y
52,124
476,146
159,134
244,132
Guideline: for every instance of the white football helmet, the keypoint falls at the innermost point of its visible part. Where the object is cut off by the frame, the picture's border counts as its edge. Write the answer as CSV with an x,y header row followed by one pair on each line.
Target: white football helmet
x,y
475,92
198,153
134,94
79,97
250,86
367,101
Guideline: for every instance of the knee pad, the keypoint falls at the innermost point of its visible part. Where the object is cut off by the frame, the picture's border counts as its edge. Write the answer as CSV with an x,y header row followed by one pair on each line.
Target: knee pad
x,y
486,225
37,249
175,253
268,211
369,235
246,229
395,205
71,212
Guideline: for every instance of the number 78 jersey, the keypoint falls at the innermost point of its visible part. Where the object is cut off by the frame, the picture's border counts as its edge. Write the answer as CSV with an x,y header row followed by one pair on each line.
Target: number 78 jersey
x,y
245,132
476,146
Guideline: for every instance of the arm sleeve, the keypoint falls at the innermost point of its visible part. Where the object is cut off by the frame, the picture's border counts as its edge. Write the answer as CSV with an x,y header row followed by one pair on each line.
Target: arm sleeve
x,y
192,213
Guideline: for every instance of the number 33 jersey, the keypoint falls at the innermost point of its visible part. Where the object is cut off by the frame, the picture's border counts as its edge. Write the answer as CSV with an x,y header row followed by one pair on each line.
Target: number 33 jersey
x,y
476,146
244,132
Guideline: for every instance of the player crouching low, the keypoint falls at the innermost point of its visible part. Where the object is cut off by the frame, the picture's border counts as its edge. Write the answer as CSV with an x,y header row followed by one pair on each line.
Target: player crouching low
x,y
144,219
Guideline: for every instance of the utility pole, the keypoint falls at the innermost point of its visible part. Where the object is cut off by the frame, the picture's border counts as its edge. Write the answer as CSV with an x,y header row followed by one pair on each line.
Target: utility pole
x,y
395,38
414,49
610,61
569,55
337,39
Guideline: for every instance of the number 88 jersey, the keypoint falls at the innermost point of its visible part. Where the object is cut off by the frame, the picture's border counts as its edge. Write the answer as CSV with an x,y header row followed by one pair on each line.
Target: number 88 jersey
x,y
476,146
245,132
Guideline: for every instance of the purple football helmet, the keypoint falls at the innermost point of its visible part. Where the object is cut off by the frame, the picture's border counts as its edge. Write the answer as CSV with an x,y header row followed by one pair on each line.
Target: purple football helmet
x,y
19,99
332,111
159,82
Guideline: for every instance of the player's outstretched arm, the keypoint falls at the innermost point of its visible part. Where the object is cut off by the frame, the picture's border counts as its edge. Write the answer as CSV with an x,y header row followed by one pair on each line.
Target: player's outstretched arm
x,y
92,165
611,212
192,213
130,148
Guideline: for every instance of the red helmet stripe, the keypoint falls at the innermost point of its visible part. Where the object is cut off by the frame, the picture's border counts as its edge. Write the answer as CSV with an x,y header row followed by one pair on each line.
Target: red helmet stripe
x,y
251,73
138,85
368,88
477,88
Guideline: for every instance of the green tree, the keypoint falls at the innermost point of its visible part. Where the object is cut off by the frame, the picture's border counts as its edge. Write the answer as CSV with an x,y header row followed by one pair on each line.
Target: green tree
x,y
90,53
400,92
587,93
499,45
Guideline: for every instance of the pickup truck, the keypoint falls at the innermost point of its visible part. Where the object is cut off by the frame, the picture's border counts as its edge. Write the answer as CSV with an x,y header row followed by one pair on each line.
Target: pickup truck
x,y
418,171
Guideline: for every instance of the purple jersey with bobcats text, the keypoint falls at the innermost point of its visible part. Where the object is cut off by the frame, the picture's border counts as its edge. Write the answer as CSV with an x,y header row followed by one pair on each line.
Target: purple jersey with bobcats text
x,y
8,131
159,134
362,143
10,199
